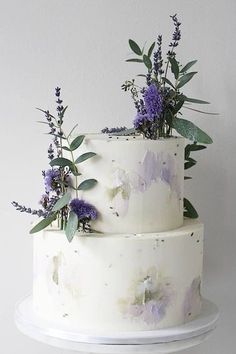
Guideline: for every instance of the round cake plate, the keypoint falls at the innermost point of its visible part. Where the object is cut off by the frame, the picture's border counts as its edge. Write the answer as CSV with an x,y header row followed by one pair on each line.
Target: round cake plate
x,y
156,341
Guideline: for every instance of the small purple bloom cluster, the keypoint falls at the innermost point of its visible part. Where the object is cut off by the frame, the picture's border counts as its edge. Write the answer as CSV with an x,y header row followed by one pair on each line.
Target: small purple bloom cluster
x,y
83,210
149,110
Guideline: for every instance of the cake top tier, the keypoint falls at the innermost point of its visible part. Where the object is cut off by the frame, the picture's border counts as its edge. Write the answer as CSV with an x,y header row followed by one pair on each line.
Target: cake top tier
x,y
140,182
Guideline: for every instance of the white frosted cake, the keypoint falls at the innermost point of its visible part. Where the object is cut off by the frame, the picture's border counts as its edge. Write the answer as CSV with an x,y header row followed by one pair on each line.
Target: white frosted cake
x,y
142,267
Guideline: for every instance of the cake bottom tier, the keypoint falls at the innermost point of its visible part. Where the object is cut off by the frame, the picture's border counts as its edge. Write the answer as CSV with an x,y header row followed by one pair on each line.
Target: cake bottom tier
x,y
120,282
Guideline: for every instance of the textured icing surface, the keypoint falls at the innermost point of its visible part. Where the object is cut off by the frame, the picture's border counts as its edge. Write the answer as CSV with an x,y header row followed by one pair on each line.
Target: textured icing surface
x,y
140,183
119,281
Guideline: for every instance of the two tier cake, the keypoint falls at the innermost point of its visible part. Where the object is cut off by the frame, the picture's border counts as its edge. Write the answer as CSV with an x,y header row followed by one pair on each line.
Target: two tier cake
x,y
142,270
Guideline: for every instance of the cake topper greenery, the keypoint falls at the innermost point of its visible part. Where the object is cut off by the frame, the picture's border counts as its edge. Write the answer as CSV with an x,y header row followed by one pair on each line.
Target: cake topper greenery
x,y
57,203
159,103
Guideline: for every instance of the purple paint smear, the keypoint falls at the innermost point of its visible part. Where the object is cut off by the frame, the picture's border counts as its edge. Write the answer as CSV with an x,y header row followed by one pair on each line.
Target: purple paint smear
x,y
157,166
153,310
192,301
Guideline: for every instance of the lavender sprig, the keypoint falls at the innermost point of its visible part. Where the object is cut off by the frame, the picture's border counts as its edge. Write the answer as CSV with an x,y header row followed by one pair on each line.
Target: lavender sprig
x,y
175,37
107,130
23,209
157,58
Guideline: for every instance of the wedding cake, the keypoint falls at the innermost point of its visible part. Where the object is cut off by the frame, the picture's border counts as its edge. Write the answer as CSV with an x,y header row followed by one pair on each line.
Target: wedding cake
x,y
144,270
119,246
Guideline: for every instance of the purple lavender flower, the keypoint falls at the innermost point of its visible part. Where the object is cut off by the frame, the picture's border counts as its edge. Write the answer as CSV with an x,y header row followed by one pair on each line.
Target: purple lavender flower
x,y
83,210
153,102
140,120
52,178
157,58
50,152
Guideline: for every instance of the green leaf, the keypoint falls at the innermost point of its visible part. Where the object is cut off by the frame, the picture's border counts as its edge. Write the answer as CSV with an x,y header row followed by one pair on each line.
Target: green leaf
x,y
62,162
190,131
150,50
147,61
178,106
185,78
142,75
195,100
74,170
43,223
87,184
45,112
135,48
66,148
134,60
85,156
174,67
71,226
190,211
168,82
192,147
62,202
189,164
77,142
188,66
197,110
187,177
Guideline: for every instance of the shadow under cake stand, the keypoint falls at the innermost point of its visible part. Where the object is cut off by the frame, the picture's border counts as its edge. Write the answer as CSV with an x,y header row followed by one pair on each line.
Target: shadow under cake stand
x,y
157,341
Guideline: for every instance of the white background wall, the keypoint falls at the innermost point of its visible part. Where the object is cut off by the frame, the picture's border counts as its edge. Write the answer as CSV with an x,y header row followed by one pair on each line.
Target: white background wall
x,y
81,45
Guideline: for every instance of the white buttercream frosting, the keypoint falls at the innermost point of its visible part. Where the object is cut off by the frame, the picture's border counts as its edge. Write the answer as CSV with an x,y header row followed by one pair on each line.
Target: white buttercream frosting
x,y
119,281
140,182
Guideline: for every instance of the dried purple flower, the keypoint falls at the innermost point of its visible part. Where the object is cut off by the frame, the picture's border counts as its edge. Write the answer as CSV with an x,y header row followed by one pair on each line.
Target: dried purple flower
x,y
157,58
23,209
140,120
107,130
83,210
50,152
51,180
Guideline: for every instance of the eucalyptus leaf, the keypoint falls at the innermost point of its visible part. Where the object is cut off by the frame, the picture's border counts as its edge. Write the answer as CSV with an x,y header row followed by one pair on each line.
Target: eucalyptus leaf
x,y
43,223
174,67
57,135
134,60
147,61
190,131
150,50
177,107
62,162
71,226
77,142
87,184
134,46
185,78
197,110
189,164
85,156
190,211
188,66
74,170
168,82
195,100
63,201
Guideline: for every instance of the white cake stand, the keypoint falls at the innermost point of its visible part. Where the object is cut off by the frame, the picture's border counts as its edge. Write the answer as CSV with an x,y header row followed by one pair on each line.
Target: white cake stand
x,y
161,341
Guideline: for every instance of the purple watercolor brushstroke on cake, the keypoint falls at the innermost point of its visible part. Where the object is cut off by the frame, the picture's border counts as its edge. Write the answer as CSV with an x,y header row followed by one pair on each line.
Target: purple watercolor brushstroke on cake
x,y
192,298
155,309
157,166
